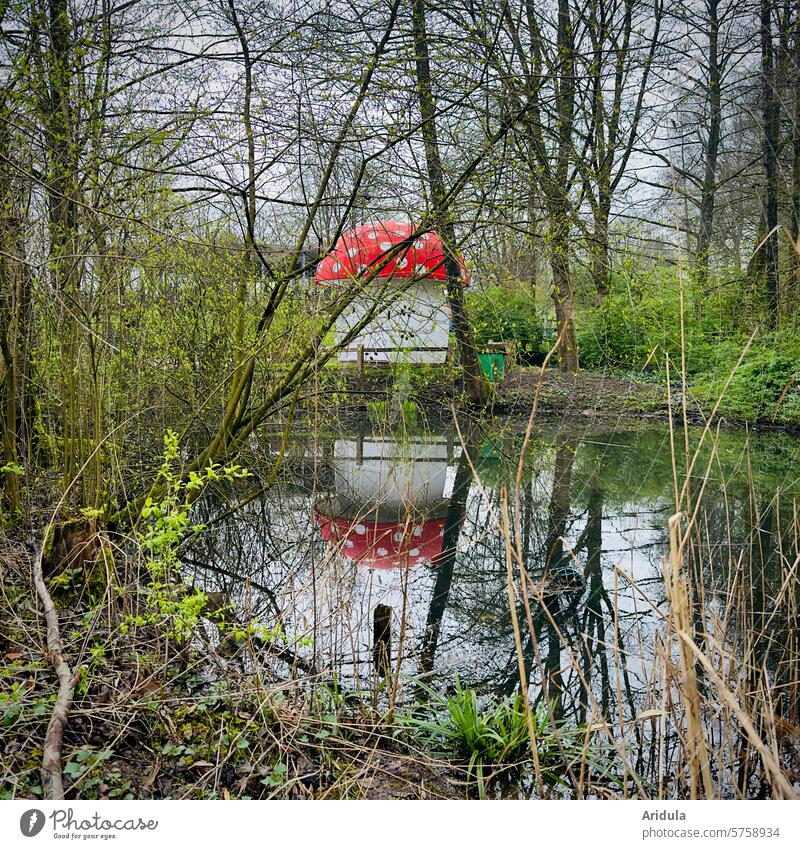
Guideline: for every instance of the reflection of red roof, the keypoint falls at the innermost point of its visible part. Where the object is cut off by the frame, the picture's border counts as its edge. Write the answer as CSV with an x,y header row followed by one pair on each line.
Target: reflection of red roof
x,y
384,545
367,245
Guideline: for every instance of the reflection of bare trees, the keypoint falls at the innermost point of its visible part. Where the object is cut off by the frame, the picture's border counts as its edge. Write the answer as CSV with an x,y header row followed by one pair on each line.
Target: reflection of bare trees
x,y
594,625
446,563
595,649
559,506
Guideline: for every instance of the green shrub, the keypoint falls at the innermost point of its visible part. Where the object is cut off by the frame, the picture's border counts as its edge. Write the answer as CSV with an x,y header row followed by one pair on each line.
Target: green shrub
x,y
494,731
640,320
502,314
391,414
789,409
756,387
165,524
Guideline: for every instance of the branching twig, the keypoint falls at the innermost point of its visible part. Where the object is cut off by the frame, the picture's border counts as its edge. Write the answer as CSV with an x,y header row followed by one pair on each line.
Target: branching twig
x,y
52,780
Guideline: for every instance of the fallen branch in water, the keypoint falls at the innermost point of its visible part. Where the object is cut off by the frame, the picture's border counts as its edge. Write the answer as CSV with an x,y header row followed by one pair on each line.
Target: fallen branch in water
x,y
52,779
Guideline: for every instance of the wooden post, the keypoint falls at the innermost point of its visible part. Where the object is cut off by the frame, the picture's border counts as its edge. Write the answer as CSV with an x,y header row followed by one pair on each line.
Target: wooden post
x,y
382,639
360,360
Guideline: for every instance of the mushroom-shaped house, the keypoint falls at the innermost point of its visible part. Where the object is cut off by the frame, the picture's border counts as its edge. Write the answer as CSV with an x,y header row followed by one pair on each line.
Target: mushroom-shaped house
x,y
400,276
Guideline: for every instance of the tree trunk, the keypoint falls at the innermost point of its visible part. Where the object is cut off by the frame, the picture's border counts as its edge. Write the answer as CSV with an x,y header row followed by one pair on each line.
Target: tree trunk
x,y
474,380
15,322
8,396
445,562
601,259
15,306
558,189
708,191
771,130
796,154
563,302
59,116
559,506
531,252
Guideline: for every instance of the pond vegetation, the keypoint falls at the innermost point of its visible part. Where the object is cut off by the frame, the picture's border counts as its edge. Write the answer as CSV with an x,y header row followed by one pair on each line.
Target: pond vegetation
x,y
320,641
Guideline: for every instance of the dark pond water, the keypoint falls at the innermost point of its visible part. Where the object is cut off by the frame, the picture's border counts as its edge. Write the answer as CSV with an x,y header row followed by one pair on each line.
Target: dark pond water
x,y
371,532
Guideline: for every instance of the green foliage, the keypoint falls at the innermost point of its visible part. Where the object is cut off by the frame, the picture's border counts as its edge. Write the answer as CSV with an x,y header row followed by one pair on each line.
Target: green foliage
x,y
382,412
97,779
11,702
502,314
489,732
639,321
16,704
166,523
277,776
327,711
789,409
765,386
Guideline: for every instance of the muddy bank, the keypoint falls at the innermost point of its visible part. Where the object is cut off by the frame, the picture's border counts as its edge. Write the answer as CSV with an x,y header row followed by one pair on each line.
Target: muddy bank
x,y
592,395
437,393
156,718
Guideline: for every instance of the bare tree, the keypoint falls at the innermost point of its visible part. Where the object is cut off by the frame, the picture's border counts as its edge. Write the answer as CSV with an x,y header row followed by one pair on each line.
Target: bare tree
x,y
623,41
473,376
771,141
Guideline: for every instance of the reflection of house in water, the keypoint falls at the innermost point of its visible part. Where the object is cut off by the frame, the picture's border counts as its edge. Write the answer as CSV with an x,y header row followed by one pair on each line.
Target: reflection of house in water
x,y
390,508
389,502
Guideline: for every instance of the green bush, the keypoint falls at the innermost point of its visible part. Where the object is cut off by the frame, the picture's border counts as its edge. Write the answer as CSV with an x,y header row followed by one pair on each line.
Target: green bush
x,y
502,314
639,321
757,387
789,409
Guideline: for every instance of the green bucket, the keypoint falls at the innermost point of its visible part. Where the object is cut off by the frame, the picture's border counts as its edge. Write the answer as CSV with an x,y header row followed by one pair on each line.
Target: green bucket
x,y
493,366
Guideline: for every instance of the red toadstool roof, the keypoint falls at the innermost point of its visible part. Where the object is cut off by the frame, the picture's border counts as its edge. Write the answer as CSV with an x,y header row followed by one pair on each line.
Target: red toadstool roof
x,y
366,246
384,545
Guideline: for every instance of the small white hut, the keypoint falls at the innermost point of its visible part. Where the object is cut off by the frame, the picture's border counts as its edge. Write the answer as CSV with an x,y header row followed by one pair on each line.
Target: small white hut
x,y
410,327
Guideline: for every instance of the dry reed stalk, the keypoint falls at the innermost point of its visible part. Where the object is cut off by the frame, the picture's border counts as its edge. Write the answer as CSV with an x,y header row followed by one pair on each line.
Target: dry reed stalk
x,y
523,680
771,765
680,613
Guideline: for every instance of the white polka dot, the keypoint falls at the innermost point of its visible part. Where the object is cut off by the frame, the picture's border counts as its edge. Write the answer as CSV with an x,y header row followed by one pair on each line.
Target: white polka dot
x,y
337,266
348,543
360,529
419,244
417,530
420,560
420,268
414,552
384,246
399,232
383,552
372,235
398,536
403,263
352,251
